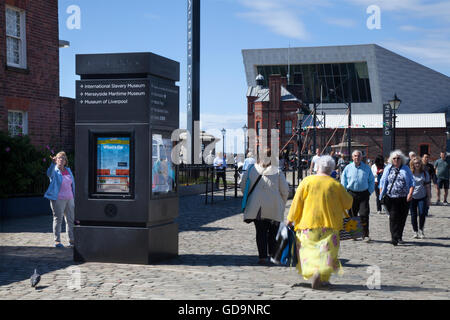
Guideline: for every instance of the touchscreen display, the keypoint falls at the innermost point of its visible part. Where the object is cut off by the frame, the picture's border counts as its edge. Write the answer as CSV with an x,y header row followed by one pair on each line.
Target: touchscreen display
x,y
113,165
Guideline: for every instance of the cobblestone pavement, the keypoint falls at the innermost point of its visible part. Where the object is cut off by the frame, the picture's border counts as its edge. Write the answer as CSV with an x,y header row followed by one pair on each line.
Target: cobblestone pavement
x,y
217,260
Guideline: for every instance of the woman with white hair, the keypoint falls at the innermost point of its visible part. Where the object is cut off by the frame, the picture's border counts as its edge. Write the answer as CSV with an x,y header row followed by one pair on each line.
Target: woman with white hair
x,y
397,186
317,213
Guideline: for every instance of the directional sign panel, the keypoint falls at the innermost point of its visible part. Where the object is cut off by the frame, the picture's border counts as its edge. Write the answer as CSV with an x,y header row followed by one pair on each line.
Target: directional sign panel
x,y
112,100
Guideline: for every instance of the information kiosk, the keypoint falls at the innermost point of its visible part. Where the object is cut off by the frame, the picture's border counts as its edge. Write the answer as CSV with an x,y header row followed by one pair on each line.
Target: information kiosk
x,y
126,199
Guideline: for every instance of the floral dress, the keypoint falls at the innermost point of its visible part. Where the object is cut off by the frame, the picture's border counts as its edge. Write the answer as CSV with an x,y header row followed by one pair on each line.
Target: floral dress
x,y
318,250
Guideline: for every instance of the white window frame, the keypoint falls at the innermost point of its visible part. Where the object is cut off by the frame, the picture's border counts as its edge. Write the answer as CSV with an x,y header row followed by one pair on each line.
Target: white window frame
x,y
24,122
22,44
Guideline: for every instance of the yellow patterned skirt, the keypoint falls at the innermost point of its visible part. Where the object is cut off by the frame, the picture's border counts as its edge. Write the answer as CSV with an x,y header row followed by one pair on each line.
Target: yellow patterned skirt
x,y
319,249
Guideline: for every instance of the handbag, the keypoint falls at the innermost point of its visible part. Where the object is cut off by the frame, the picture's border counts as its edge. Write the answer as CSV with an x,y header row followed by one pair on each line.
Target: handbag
x,y
282,240
352,228
289,256
385,196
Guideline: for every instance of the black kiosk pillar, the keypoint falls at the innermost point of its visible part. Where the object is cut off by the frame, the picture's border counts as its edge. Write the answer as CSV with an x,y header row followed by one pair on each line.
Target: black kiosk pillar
x,y
126,198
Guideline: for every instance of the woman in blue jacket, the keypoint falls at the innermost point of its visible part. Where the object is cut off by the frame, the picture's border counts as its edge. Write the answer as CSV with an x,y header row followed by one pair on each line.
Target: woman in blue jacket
x,y
397,185
61,192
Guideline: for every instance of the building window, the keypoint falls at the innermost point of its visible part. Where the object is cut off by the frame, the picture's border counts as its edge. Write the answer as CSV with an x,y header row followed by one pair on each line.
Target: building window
x,y
257,128
332,83
15,38
288,127
17,123
424,148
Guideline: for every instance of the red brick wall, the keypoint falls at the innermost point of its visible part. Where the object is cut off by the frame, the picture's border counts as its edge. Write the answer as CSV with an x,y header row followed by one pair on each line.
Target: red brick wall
x,y
35,89
67,135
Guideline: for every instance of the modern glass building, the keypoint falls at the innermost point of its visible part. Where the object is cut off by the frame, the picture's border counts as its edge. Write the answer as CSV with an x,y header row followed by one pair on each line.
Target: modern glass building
x,y
367,75
335,82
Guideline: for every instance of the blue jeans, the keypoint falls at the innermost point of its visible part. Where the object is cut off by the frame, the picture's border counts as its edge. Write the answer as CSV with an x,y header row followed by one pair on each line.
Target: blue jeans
x,y
418,207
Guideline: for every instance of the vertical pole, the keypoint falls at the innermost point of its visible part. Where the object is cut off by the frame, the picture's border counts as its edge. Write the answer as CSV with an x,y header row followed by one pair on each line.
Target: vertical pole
x,y
393,135
314,114
349,117
207,181
193,71
235,181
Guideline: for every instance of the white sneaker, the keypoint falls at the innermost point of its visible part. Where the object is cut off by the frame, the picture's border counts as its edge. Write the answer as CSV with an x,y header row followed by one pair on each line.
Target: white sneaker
x,y
366,239
379,212
421,234
416,235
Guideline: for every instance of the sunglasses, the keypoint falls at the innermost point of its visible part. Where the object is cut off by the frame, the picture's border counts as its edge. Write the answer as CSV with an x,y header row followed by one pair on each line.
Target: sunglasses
x,y
398,158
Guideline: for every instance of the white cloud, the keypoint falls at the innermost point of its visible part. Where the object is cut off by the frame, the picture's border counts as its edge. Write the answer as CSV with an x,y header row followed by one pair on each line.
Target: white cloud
x,y
279,16
420,8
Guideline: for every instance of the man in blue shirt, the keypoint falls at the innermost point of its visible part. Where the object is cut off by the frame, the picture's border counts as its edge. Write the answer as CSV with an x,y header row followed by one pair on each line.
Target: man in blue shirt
x,y
359,181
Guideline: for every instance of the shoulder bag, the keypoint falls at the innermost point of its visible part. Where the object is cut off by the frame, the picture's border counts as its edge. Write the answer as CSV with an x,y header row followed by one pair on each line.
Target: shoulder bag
x,y
247,193
385,196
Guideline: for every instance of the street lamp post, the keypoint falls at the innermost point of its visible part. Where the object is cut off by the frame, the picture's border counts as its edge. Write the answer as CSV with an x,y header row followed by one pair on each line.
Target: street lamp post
x,y
395,103
245,128
223,141
300,116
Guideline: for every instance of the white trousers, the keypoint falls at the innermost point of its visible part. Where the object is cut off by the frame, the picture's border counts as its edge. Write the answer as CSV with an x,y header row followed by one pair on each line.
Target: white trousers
x,y
62,208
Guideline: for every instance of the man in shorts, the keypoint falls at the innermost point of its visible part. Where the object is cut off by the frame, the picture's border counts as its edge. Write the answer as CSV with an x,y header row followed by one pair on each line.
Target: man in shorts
x,y
442,174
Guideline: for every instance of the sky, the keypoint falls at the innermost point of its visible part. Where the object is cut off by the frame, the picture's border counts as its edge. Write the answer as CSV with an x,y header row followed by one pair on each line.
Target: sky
x,y
416,29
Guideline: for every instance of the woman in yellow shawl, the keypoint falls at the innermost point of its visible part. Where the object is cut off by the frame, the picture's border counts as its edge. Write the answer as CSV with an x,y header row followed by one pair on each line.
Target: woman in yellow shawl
x,y
317,212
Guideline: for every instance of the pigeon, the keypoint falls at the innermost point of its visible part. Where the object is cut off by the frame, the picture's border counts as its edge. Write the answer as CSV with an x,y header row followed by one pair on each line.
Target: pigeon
x,y
35,278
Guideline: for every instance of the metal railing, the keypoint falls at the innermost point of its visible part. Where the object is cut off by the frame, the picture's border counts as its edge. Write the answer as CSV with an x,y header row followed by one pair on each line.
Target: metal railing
x,y
231,176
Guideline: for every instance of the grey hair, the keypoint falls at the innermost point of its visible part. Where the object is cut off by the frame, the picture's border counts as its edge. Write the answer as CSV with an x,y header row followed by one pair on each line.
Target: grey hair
x,y
412,153
397,153
326,164
359,151
250,155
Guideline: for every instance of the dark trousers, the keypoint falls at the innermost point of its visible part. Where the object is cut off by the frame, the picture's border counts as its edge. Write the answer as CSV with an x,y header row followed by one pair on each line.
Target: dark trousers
x,y
377,193
361,206
221,174
418,207
266,232
398,213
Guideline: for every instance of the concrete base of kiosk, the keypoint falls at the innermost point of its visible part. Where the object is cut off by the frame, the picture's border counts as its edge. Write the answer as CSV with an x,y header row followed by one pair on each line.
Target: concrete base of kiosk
x,y
126,245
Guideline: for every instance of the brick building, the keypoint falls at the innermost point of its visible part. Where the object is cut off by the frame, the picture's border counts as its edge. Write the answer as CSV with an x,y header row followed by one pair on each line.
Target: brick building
x,y
29,74
272,108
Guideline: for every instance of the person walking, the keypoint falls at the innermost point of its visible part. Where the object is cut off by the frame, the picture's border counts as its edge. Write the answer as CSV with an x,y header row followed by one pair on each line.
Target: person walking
x,y
421,196
220,165
317,214
248,161
442,173
359,181
411,155
397,183
341,164
429,168
314,165
266,203
61,192
377,171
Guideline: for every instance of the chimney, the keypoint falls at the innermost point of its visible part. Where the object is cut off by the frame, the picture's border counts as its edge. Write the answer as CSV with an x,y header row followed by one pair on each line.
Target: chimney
x,y
274,91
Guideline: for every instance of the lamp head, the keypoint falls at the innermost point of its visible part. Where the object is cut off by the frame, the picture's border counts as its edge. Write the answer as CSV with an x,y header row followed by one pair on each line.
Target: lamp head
x,y
395,103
